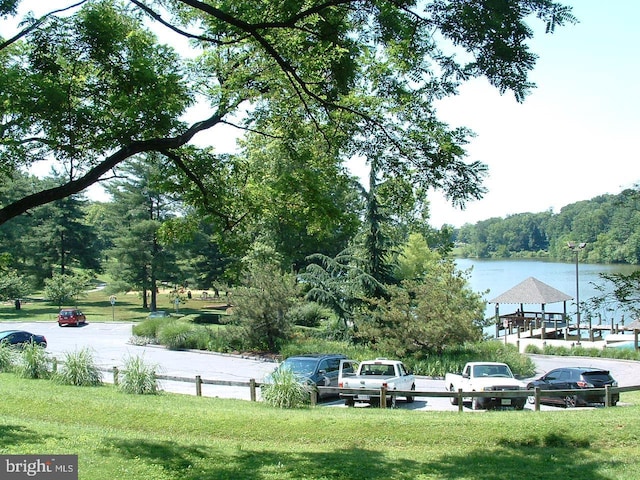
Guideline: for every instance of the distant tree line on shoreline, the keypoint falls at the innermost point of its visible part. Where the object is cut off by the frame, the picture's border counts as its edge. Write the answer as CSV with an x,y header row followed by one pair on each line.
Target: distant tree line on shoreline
x,y
608,224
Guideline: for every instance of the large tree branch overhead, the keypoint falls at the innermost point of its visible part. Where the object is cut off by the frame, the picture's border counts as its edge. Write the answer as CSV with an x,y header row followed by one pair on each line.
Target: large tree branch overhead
x,y
93,176
362,72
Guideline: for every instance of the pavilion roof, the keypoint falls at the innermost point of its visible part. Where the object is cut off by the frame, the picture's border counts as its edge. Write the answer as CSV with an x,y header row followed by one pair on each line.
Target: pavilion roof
x,y
532,290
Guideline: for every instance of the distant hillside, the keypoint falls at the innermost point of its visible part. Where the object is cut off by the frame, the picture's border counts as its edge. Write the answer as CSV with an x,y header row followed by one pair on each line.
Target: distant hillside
x,y
609,224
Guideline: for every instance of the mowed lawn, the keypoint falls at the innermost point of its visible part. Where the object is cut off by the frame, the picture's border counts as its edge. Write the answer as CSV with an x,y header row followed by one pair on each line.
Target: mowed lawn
x,y
169,436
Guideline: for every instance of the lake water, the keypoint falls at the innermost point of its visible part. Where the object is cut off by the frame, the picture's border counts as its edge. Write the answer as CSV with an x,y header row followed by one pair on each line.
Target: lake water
x,y
499,276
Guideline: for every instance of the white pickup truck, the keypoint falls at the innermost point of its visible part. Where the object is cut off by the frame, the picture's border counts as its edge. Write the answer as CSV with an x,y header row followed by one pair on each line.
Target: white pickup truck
x,y
486,377
372,375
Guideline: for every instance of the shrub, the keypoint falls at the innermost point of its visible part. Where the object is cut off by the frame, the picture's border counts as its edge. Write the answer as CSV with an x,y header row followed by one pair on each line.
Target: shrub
x,y
310,314
178,335
283,390
138,377
7,357
149,328
34,362
79,369
203,318
534,349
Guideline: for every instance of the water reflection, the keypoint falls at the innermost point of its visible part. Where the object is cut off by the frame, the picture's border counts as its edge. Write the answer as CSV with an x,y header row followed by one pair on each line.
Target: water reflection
x,y
498,276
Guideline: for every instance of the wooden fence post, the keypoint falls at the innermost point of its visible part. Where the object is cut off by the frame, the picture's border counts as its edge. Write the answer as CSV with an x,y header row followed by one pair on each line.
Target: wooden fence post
x,y
252,389
460,402
383,397
607,395
313,397
115,376
537,397
198,386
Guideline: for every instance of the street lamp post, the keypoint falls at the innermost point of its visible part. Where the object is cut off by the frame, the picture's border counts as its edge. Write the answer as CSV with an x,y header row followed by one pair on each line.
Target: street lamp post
x,y
576,247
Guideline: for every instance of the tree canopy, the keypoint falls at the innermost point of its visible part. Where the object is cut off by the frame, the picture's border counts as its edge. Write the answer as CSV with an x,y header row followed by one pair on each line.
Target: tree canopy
x,y
91,86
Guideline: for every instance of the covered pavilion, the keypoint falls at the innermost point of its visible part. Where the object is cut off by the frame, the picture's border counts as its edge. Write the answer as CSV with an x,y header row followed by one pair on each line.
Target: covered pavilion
x,y
530,292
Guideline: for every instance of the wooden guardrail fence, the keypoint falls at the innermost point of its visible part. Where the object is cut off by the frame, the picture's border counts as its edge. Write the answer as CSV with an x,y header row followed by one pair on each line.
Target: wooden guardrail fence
x,y
383,393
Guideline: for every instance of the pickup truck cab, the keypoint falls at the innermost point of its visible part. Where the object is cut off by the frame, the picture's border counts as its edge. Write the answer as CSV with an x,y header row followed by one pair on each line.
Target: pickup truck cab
x,y
486,377
372,375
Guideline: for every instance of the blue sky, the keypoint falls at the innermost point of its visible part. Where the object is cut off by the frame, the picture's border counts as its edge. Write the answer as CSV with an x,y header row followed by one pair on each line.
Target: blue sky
x,y
573,137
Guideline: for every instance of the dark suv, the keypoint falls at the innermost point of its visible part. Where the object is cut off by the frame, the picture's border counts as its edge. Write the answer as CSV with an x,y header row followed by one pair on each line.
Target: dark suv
x,y
319,370
574,378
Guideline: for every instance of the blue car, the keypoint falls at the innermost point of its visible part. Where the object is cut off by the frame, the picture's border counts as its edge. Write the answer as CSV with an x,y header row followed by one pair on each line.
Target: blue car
x,y
317,369
20,338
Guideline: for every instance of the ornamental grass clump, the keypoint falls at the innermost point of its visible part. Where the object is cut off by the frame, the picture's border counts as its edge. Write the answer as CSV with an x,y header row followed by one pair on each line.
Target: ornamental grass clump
x,y
7,357
178,335
79,368
34,362
284,390
138,377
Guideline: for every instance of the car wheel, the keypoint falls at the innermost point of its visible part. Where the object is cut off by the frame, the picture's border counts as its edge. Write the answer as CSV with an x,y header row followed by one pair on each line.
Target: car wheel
x,y
520,405
59,324
410,397
393,402
453,400
570,401
349,402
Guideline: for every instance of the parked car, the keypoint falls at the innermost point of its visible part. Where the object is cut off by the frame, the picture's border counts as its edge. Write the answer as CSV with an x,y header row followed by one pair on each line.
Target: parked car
x,y
20,338
159,314
317,369
71,316
574,378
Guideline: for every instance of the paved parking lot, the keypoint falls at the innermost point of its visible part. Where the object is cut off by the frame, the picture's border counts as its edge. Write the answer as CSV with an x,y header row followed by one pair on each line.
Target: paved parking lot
x,y
110,343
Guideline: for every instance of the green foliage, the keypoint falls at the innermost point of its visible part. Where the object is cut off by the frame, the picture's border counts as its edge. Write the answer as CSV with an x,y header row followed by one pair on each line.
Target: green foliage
x,y
310,314
34,362
138,377
150,327
425,316
79,368
170,437
8,357
263,306
61,289
12,285
580,351
607,223
178,334
284,390
454,359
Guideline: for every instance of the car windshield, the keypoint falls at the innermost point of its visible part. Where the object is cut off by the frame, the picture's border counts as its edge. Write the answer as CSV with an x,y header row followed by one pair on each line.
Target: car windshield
x,y
300,366
491,371
67,313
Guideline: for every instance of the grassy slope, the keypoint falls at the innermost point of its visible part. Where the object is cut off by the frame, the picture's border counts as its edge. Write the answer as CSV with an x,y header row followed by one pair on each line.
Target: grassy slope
x,y
97,307
182,437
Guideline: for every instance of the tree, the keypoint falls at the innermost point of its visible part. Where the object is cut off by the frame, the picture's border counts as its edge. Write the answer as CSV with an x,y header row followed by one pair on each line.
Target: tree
x,y
426,315
94,88
139,259
263,304
60,289
12,284
620,291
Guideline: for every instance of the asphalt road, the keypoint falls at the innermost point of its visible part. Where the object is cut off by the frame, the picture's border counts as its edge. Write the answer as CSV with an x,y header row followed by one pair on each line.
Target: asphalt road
x,y
111,346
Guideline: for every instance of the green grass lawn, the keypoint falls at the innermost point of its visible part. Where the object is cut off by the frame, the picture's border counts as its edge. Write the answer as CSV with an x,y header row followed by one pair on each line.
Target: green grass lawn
x,y
119,436
97,307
